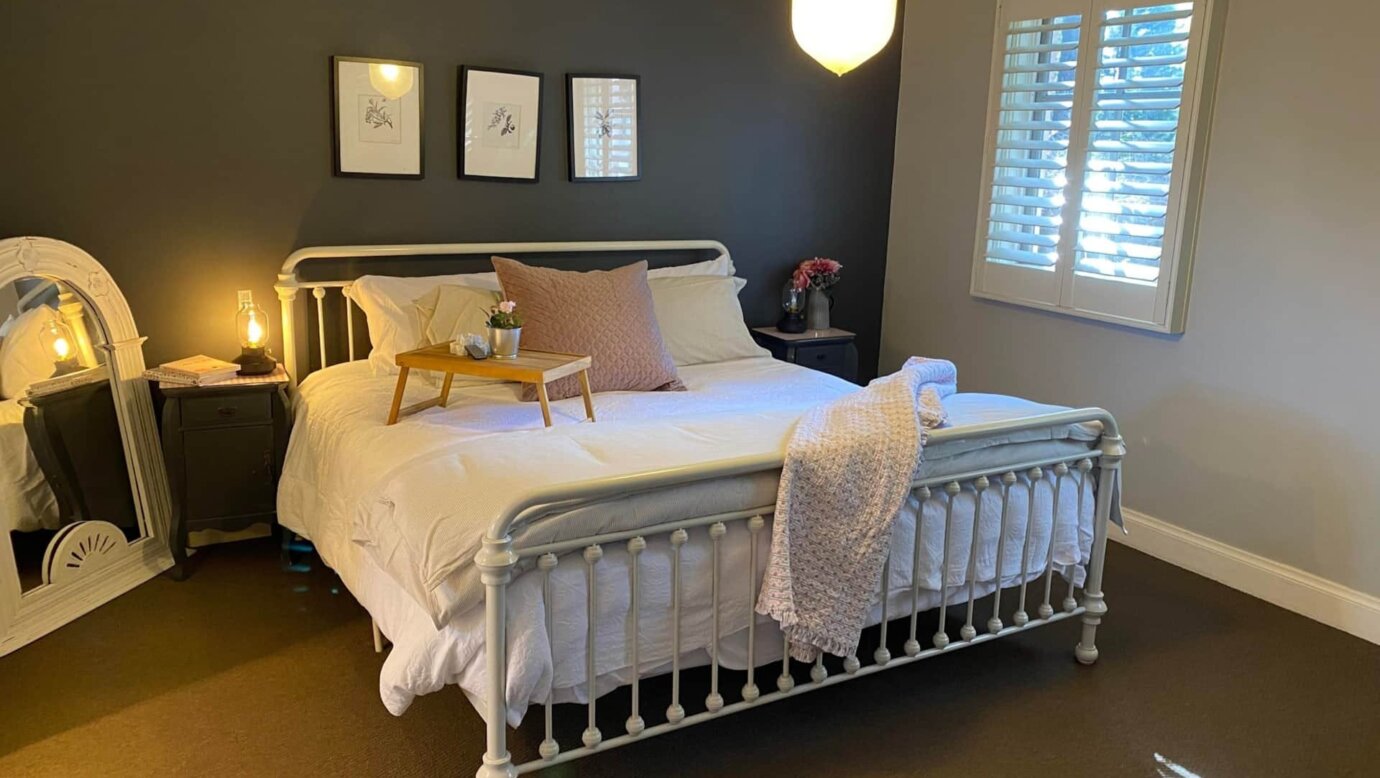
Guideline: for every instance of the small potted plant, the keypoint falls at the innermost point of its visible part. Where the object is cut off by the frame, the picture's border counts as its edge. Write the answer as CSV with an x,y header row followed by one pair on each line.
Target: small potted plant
x,y
817,275
505,330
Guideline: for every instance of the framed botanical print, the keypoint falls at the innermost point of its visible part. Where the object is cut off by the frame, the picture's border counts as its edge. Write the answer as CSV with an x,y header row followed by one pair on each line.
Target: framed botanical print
x,y
500,124
376,119
604,115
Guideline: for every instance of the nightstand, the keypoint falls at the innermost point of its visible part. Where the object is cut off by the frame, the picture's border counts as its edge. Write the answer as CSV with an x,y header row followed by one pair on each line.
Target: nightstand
x,y
829,351
224,446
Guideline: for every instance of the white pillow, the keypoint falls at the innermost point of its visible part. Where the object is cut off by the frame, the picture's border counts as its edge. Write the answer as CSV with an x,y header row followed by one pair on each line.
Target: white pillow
x,y
720,266
451,310
701,320
396,322
23,360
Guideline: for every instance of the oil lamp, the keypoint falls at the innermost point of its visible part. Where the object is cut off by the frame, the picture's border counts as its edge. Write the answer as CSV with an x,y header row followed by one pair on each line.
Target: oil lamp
x,y
252,327
59,343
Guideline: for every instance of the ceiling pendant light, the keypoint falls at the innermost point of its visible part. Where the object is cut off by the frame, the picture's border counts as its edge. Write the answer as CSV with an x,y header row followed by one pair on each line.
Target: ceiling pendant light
x,y
842,34
391,81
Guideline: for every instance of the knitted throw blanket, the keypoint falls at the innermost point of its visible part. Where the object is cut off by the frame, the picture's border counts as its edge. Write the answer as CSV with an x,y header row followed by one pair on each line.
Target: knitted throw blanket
x,y
848,468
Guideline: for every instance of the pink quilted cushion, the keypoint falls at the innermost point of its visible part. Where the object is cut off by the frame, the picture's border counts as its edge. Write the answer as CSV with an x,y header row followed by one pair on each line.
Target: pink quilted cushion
x,y
607,314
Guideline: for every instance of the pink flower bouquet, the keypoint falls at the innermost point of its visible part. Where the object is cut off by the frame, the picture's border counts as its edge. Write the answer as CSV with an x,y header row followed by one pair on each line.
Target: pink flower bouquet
x,y
817,273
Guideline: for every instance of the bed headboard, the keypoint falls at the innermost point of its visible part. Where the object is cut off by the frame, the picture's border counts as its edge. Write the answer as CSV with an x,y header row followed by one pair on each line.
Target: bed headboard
x,y
329,271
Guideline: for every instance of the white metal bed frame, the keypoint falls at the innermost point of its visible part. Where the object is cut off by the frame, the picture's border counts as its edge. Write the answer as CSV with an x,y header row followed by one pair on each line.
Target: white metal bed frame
x,y
500,555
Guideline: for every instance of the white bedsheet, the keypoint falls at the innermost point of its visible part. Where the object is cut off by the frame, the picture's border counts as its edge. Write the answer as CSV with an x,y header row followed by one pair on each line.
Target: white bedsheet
x,y
342,458
26,501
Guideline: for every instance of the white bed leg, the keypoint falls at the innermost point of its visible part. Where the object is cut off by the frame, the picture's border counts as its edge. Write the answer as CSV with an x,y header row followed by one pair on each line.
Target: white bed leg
x,y
1095,606
378,637
495,562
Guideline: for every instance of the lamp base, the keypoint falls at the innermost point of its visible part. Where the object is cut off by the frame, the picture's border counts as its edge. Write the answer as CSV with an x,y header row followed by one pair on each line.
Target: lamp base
x,y
255,361
65,367
792,322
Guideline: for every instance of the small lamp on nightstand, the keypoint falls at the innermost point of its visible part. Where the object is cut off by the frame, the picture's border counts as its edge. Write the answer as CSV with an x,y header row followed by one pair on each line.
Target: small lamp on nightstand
x,y
57,339
251,324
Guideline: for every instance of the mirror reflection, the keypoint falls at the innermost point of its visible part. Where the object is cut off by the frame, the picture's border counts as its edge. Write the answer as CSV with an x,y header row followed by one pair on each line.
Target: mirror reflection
x,y
61,456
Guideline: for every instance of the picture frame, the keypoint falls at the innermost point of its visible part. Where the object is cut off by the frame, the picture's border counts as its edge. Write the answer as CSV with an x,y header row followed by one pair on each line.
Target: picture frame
x,y
499,119
604,112
373,134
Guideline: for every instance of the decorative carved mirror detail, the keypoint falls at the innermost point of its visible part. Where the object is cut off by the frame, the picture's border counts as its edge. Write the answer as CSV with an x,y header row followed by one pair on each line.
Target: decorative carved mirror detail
x,y
84,503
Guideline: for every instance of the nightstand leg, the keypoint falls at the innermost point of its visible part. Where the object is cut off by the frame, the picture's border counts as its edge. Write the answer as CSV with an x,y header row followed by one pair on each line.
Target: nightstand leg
x,y
445,389
398,396
545,404
584,390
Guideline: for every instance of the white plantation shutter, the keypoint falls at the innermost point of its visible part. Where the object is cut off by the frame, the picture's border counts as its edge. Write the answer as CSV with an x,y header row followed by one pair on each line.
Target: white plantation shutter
x,y
1093,148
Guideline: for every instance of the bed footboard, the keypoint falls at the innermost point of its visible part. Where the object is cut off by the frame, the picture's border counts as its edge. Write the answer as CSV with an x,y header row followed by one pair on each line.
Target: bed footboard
x,y
500,556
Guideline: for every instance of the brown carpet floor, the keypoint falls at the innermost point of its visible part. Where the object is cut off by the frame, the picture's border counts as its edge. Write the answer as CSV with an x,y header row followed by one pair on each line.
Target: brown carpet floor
x,y
248,670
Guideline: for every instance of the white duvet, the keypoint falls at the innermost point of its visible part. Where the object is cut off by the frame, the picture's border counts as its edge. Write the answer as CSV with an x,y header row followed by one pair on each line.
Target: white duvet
x,y
26,501
398,512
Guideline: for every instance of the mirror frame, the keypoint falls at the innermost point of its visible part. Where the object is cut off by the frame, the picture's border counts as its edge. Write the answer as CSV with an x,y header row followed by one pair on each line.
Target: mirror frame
x,y
26,616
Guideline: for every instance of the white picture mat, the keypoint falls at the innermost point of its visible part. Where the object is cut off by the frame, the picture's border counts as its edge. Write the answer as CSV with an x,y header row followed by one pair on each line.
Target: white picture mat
x,y
604,127
397,153
484,90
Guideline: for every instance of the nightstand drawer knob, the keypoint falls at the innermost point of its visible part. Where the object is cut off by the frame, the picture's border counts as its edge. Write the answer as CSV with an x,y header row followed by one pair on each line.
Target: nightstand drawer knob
x,y
225,412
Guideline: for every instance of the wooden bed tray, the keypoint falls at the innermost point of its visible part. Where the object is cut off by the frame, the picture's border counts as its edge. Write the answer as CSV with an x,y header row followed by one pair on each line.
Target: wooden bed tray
x,y
537,368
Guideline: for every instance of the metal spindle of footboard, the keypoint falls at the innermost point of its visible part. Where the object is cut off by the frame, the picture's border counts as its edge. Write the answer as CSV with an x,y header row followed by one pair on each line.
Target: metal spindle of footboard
x,y
1036,474
994,624
675,713
882,655
635,723
1084,466
549,747
968,632
715,701
750,690
913,645
592,737
1060,470
952,488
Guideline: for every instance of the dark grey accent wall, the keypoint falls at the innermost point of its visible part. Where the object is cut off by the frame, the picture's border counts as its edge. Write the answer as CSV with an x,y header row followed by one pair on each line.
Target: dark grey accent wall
x,y
187,144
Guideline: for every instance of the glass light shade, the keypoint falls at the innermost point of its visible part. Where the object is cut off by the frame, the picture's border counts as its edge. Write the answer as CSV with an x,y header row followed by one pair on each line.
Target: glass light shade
x,y
793,301
842,34
58,341
252,326
391,81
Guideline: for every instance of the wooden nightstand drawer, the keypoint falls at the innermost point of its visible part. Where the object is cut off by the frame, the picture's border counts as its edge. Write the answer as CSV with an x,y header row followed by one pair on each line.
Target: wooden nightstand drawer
x,y
825,358
227,410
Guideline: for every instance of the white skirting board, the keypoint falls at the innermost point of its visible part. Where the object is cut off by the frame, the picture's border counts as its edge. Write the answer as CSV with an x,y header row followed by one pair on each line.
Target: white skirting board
x,y
1279,584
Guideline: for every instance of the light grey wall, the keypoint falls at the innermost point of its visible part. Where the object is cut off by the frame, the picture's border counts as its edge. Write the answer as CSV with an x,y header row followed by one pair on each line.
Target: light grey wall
x,y
1258,427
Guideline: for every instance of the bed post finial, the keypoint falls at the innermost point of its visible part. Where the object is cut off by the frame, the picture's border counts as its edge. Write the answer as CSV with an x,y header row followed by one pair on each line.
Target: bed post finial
x,y
496,561
1113,449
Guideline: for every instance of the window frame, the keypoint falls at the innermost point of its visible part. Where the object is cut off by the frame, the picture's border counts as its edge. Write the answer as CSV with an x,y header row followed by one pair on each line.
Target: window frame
x,y
1159,306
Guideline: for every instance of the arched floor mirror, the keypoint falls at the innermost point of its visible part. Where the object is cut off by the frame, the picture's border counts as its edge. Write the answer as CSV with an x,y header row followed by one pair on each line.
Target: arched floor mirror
x,y
84,500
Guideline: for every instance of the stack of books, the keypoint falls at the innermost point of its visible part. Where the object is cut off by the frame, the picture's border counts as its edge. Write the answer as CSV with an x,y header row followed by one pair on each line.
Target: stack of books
x,y
93,375
199,370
